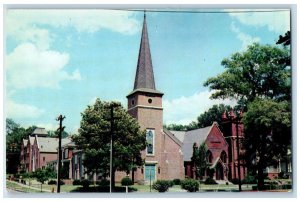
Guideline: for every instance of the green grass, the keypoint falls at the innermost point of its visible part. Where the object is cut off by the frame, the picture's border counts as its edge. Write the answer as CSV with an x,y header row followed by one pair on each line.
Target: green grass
x,y
17,187
140,188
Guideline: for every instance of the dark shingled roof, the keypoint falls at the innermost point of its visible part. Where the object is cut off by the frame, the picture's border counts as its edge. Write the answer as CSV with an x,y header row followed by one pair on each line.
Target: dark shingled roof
x,y
194,136
144,77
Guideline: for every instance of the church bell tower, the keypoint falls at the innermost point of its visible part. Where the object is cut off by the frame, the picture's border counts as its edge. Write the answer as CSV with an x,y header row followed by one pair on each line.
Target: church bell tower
x,y
145,104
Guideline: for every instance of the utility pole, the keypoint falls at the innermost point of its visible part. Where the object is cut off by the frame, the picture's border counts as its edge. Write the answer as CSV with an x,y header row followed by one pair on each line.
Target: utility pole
x,y
112,130
238,150
60,118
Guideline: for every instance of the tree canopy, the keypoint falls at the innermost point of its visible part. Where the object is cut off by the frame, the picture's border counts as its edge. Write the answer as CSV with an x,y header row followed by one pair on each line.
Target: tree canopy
x,y
213,114
255,73
268,133
261,82
94,139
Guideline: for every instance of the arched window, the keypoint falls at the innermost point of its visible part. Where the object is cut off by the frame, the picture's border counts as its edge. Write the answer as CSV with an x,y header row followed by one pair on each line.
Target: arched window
x,y
224,157
209,156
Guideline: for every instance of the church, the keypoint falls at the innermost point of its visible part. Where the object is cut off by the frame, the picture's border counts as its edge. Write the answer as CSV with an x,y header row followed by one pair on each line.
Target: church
x,y
168,153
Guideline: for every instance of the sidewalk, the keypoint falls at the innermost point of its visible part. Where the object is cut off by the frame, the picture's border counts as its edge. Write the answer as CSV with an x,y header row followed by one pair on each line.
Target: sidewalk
x,y
29,187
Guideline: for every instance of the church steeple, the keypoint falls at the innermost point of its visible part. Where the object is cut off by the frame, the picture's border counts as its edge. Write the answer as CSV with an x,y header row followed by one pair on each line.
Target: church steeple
x,y
144,77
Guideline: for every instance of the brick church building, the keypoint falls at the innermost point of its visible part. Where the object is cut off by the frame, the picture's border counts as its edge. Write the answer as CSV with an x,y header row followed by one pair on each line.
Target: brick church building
x,y
168,154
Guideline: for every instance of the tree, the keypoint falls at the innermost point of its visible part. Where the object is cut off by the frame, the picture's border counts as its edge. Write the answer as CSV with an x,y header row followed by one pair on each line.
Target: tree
x,y
199,159
214,114
267,134
261,83
43,175
255,73
94,139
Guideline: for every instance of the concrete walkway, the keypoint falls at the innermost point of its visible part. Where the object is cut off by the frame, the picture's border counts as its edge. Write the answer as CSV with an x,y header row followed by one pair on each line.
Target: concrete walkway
x,y
30,187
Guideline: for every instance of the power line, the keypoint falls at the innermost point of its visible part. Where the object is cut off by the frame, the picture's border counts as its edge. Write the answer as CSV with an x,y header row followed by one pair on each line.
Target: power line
x,y
200,12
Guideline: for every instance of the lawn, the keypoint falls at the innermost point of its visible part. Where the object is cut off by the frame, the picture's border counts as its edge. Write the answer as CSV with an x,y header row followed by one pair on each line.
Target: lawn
x,y
36,188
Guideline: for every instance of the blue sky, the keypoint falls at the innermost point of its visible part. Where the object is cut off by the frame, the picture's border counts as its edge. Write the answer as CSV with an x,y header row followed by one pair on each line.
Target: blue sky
x,y
60,61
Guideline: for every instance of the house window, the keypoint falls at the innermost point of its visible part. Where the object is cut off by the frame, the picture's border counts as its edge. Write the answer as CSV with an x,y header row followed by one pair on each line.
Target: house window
x,y
150,142
149,100
132,102
44,159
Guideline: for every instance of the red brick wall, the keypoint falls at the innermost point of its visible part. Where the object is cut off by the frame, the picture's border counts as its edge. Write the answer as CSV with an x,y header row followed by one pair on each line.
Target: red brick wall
x,y
48,157
172,160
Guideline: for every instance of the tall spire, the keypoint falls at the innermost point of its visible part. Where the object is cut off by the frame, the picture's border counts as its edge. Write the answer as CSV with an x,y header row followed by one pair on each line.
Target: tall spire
x,y
144,77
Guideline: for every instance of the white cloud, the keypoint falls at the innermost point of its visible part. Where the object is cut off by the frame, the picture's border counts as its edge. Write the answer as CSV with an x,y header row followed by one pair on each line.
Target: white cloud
x,y
27,66
22,111
184,110
246,39
22,24
278,22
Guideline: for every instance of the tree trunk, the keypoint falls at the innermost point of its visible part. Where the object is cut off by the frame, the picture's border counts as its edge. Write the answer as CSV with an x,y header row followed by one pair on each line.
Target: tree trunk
x,y
132,175
113,183
261,164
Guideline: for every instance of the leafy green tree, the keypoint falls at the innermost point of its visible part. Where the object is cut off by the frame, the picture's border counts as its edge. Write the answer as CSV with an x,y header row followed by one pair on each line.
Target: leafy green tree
x,y
267,134
261,82
94,139
214,114
256,73
40,175
199,159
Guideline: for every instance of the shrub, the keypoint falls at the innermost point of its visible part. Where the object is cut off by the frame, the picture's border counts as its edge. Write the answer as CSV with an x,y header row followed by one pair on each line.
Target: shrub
x,y
161,185
52,182
176,181
235,181
76,182
210,181
62,182
171,183
85,184
190,185
103,182
126,181
249,179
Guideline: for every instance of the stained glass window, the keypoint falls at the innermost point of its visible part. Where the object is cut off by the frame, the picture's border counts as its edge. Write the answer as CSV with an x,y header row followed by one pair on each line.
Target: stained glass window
x,y
150,141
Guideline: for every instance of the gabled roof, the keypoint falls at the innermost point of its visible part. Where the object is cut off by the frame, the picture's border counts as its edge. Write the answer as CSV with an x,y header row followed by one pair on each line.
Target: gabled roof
x,y
194,136
31,140
144,77
47,144
172,136
178,134
25,142
39,132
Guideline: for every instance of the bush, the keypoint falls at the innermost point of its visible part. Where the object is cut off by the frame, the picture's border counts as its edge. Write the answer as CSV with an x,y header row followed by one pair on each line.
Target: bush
x,y
52,182
85,184
235,181
190,185
171,183
161,185
176,181
126,181
103,182
76,182
62,182
210,181
249,179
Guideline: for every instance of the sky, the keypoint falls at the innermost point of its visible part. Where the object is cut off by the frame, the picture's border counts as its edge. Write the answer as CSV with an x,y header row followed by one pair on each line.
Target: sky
x,y
59,61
